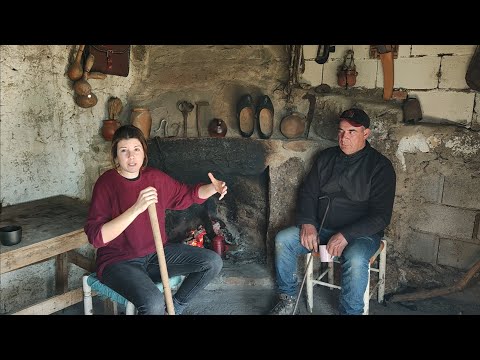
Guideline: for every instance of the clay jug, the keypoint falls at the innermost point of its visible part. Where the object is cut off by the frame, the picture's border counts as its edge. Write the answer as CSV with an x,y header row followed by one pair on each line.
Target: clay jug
x,y
108,128
142,119
217,128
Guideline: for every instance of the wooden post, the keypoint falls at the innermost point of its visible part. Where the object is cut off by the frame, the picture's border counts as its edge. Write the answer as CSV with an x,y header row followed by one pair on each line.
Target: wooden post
x,y
157,236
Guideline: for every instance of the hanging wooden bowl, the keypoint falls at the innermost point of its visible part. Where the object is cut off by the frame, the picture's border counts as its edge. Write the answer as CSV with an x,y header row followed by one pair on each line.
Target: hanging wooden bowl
x,y
293,125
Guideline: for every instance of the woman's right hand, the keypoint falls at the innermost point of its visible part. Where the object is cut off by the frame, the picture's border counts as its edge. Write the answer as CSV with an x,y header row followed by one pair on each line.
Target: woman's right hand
x,y
146,197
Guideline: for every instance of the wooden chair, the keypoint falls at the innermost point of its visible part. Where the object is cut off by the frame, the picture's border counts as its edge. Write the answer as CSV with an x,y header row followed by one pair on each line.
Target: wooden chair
x,y
91,282
374,266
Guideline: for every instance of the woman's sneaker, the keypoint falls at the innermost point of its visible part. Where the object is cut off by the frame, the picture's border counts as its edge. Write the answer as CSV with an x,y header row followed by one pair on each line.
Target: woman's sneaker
x,y
285,305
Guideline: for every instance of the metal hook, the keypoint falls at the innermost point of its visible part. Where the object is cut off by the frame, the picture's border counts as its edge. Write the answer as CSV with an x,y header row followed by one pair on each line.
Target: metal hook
x,y
164,123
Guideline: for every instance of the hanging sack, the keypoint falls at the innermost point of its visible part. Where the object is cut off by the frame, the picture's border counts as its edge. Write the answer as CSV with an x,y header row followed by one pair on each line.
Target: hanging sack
x,y
473,72
110,59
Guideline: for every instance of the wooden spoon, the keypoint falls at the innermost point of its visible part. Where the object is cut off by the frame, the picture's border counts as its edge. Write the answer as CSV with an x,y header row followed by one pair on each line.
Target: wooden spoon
x,y
75,71
95,75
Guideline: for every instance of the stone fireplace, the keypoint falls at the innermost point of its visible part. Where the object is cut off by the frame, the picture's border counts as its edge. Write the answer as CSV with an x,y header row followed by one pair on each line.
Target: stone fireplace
x,y
262,177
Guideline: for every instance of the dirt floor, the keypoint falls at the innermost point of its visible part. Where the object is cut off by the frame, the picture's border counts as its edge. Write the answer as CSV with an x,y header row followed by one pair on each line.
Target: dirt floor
x,y
248,290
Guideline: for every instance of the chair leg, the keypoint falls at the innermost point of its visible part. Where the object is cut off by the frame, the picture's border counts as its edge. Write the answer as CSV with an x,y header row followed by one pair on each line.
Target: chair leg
x,y
110,307
366,295
87,297
130,309
309,270
381,273
331,274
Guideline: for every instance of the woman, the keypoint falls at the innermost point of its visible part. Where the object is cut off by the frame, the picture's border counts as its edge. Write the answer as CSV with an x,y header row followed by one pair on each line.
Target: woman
x,y
120,228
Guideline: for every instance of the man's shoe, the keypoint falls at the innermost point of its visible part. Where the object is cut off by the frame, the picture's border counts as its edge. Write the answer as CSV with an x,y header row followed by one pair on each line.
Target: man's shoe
x,y
246,115
285,305
265,117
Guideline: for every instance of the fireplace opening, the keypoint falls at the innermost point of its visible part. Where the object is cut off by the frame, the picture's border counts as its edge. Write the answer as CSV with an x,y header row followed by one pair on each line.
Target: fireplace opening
x,y
242,214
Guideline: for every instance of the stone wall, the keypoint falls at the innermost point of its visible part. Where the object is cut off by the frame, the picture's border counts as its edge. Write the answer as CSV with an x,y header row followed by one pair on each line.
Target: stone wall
x,y
50,146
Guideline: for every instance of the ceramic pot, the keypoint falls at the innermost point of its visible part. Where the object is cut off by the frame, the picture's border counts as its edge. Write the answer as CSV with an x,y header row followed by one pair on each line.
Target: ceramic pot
x,y
217,128
108,128
142,119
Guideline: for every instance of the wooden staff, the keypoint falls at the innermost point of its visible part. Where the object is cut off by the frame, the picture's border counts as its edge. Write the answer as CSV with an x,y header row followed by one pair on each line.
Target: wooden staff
x,y
157,236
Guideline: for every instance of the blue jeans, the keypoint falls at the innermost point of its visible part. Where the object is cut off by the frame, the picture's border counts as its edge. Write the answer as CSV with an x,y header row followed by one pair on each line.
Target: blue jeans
x,y
135,279
354,263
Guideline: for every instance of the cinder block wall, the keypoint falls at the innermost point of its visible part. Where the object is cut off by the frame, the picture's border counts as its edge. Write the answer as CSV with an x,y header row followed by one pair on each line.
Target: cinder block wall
x,y
435,74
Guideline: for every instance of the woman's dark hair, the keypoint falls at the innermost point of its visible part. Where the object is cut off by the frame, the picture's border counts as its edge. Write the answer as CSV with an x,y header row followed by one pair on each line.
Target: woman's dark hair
x,y
126,132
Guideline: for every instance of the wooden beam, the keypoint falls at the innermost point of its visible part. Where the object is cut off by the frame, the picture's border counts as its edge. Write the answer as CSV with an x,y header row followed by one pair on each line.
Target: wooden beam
x,y
18,258
81,261
54,304
426,294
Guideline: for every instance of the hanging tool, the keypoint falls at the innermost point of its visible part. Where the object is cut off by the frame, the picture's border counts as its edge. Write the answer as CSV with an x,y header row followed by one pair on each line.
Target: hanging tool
x,y
311,110
322,53
163,124
197,113
157,236
185,108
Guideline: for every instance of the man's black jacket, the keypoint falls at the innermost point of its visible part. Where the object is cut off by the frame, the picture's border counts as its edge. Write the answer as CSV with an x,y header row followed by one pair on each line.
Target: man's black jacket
x,y
361,188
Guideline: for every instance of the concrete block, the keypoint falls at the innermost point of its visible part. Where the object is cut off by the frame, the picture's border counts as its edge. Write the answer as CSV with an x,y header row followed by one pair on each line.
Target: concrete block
x,y
413,73
429,188
434,50
459,254
449,105
340,52
367,73
444,221
404,51
312,73
310,52
330,69
462,191
453,72
362,52
422,247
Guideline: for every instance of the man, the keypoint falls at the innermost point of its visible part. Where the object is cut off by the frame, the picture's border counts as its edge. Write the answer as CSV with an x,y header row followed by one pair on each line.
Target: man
x,y
350,189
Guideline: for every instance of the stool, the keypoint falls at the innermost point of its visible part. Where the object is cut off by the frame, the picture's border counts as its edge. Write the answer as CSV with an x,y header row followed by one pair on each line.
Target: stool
x,y
91,282
380,284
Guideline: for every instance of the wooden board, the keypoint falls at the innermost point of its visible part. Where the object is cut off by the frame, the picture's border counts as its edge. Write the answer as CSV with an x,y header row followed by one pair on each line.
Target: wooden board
x,y
51,228
44,219
53,304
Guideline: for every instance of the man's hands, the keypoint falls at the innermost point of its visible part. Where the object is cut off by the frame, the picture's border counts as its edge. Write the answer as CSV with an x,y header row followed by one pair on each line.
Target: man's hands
x,y
220,186
309,237
336,244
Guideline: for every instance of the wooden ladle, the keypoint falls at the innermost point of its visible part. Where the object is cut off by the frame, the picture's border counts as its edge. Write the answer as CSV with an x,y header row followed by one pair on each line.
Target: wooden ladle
x,y
75,71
